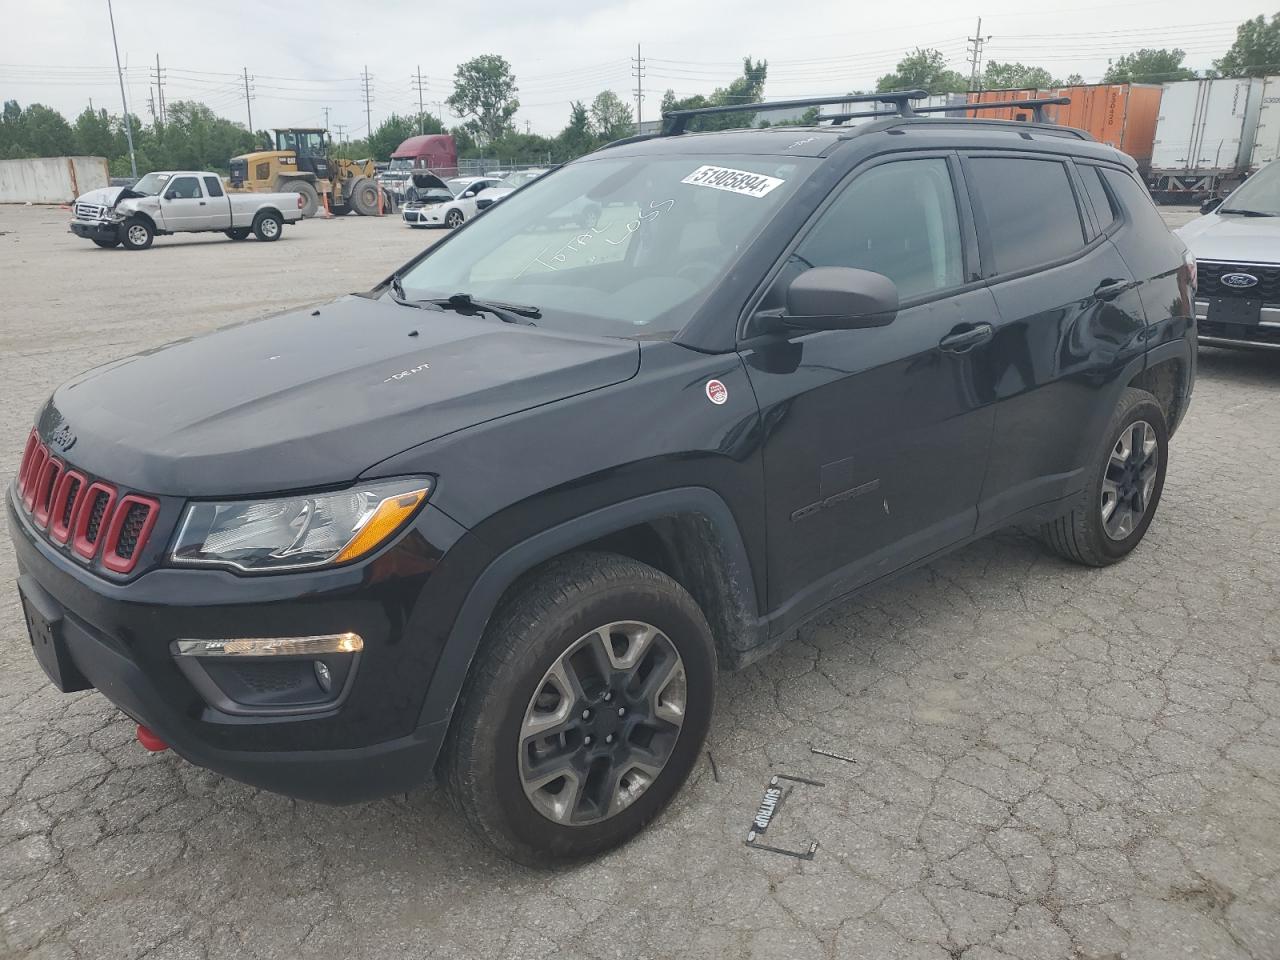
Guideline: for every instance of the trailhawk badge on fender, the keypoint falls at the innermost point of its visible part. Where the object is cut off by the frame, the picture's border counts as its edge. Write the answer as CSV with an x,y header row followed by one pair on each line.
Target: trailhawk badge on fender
x,y
717,392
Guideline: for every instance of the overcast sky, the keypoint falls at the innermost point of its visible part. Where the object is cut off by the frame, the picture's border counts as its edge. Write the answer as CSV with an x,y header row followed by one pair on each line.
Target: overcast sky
x,y
59,52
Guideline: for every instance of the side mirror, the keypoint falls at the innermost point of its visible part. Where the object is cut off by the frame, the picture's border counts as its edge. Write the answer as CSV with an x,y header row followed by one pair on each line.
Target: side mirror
x,y
839,298
171,195
1212,204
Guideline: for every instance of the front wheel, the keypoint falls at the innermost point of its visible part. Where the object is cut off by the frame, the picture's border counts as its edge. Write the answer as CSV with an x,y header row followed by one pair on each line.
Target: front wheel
x,y
1112,514
267,226
106,244
238,233
586,709
137,234
454,219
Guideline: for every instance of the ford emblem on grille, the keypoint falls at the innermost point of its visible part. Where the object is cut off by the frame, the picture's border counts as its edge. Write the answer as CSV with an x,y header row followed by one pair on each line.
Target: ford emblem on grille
x,y
1239,281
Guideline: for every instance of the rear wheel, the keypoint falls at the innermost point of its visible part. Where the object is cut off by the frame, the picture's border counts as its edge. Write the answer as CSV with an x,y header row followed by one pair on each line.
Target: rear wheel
x,y
106,244
362,195
267,226
137,234
239,233
310,198
585,711
1115,509
340,210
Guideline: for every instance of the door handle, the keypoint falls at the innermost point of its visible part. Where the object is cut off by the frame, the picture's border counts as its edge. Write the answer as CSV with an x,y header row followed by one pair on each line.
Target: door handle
x,y
962,341
1110,289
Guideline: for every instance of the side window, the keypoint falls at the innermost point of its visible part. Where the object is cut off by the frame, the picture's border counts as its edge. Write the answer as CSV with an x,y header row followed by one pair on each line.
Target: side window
x,y
898,219
1030,208
184,188
1098,197
213,186
1135,199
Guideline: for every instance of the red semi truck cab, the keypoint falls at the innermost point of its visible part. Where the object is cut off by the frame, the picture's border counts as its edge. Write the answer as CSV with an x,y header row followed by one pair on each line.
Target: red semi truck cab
x,y
436,152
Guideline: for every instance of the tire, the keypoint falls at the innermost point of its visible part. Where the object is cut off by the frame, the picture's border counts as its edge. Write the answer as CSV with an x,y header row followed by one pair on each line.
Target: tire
x,y
1130,482
267,226
454,219
310,197
239,233
563,607
106,244
137,234
362,196
340,210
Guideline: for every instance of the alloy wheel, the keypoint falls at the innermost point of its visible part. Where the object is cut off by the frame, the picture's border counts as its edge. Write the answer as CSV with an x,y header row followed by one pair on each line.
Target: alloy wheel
x,y
602,723
1129,479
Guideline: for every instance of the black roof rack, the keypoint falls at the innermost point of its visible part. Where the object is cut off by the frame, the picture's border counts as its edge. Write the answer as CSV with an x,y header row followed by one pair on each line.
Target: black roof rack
x,y
675,121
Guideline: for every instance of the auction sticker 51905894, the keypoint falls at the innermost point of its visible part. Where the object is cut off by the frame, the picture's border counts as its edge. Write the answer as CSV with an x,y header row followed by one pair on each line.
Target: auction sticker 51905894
x,y
734,181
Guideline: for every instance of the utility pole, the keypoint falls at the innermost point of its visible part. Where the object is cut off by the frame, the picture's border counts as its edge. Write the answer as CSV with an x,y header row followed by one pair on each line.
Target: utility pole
x,y
248,97
326,119
975,56
151,105
637,64
421,85
341,131
160,90
366,81
128,124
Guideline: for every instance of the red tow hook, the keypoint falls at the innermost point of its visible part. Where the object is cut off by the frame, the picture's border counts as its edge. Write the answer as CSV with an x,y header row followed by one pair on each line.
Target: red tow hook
x,y
150,741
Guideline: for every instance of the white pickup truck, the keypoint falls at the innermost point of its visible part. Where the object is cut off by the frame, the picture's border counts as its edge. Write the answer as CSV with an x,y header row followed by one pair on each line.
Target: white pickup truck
x,y
179,201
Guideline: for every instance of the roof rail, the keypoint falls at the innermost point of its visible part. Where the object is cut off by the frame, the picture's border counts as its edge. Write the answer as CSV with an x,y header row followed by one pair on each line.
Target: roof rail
x,y
1036,106
675,121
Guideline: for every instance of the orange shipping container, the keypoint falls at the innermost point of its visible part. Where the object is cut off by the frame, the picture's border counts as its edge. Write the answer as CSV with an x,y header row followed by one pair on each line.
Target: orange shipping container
x,y
1121,114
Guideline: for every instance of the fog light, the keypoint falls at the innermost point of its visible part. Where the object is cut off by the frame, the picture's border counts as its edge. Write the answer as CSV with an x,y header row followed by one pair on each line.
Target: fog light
x,y
323,677
271,647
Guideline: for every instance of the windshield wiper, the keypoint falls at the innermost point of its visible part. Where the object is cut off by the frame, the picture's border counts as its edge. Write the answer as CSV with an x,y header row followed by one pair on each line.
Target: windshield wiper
x,y
1247,213
506,312
466,304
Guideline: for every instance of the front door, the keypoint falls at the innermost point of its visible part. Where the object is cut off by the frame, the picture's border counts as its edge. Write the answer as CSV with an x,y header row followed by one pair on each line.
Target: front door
x,y
183,206
876,440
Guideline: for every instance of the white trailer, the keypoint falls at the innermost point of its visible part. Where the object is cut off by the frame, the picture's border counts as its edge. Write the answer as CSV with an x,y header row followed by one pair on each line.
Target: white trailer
x,y
1266,142
1204,137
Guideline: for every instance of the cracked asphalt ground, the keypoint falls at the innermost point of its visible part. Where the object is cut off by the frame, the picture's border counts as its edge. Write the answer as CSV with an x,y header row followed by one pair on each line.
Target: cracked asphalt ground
x,y
1049,761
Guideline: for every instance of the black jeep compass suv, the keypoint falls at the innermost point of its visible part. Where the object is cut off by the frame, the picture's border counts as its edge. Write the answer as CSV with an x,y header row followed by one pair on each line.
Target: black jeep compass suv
x,y
504,516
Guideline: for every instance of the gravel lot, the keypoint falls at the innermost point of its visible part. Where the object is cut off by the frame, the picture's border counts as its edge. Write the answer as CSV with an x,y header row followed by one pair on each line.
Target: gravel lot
x,y
1048,762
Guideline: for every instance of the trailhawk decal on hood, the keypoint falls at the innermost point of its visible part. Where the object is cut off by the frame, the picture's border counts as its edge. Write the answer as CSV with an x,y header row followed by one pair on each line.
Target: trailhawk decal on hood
x,y
734,181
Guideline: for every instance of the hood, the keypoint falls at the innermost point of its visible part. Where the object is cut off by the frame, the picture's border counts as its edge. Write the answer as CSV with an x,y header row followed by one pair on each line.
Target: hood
x,y
428,181
314,397
105,196
1233,238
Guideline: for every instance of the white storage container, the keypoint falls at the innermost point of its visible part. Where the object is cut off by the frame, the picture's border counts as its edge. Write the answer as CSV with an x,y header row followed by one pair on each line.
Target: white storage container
x,y
1266,142
1206,127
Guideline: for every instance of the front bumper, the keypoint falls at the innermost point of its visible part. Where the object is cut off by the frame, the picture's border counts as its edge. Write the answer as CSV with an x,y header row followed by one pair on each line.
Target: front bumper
x,y
96,229
422,218
117,637
1264,335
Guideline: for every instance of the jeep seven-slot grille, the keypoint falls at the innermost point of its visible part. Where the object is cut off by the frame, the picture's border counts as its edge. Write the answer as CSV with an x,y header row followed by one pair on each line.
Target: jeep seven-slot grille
x,y
87,517
1210,274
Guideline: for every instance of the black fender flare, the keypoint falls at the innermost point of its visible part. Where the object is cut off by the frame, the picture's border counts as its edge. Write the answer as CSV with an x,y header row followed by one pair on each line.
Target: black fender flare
x,y
473,617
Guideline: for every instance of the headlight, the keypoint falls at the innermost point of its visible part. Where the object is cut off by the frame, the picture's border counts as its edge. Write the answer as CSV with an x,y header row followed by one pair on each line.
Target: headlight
x,y
296,532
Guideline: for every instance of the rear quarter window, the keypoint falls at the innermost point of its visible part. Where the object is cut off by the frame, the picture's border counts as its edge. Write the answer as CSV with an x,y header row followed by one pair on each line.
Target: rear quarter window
x,y
1098,198
1030,210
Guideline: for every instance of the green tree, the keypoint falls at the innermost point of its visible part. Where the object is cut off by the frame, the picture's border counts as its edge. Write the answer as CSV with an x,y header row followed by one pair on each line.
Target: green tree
x,y
45,132
1148,66
576,138
923,69
1073,80
1256,52
484,90
747,88
1005,76
611,119
388,135
95,134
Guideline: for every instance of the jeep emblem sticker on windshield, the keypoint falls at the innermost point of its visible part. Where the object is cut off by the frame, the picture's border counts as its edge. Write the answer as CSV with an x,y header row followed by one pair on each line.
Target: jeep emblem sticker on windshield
x,y
735,181
717,392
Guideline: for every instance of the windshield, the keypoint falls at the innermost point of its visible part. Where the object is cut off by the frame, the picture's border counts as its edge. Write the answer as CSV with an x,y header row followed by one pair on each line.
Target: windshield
x,y
458,184
151,184
400,165
1260,193
625,247
521,177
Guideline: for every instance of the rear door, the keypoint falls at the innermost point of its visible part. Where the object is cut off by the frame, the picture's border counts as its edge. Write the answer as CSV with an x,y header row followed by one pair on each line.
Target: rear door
x,y
218,216
183,206
1070,320
875,440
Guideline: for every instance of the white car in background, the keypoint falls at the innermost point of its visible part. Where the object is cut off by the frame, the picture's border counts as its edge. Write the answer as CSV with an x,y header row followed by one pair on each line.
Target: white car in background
x,y
513,182
432,202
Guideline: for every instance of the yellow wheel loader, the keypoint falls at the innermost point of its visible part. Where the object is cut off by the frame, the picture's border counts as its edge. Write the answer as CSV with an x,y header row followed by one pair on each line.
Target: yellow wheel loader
x,y
301,163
